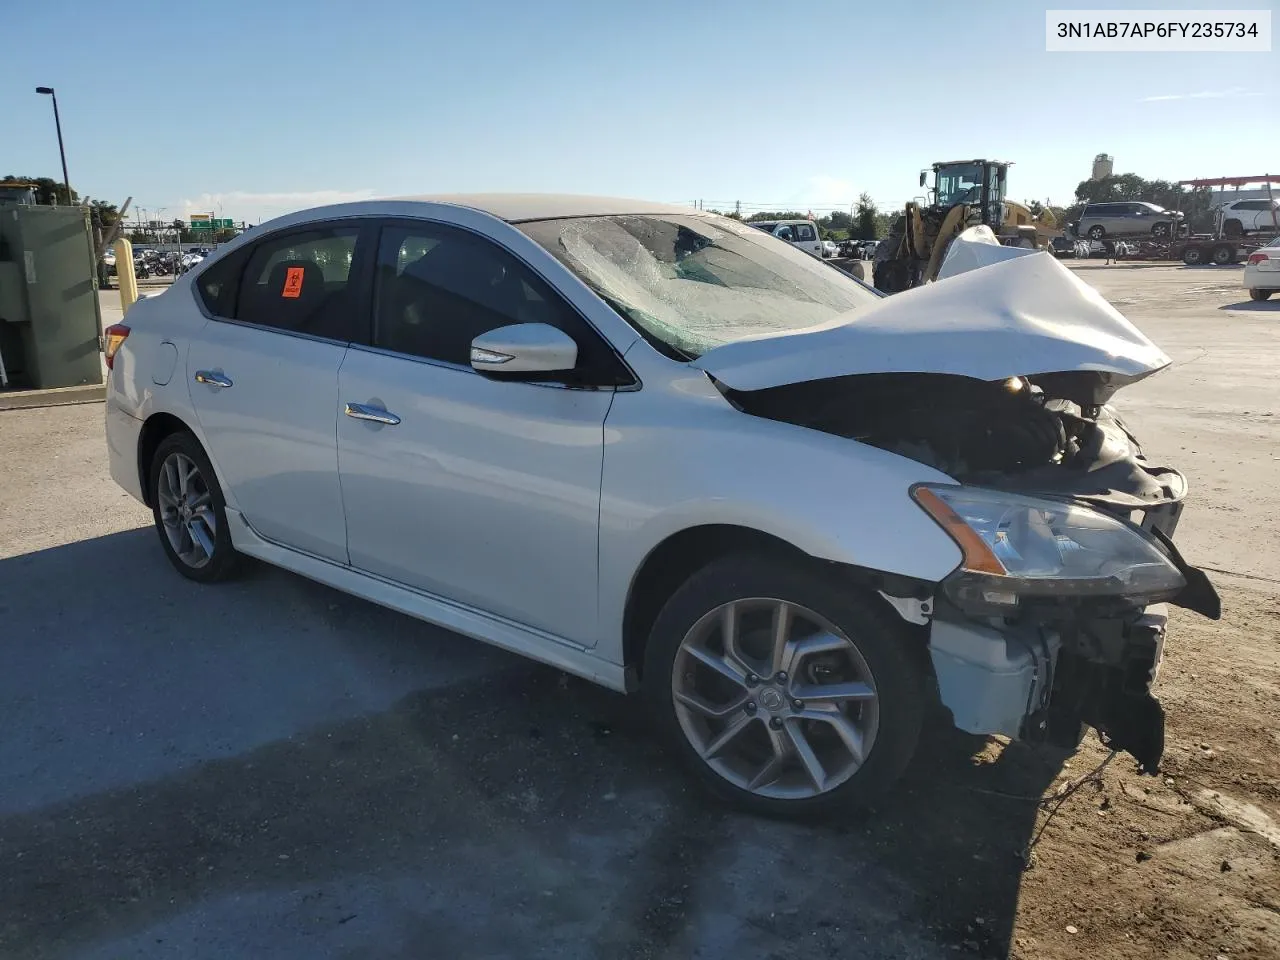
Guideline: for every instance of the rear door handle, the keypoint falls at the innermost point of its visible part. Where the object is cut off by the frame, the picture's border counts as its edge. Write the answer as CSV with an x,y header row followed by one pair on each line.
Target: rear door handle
x,y
212,378
362,411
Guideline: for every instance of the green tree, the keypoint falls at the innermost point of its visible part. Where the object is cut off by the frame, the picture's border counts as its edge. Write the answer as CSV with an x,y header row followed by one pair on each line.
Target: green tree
x,y
48,190
866,225
105,214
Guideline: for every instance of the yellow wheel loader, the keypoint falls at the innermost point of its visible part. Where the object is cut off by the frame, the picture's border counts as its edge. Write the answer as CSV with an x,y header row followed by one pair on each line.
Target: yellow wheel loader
x,y
964,193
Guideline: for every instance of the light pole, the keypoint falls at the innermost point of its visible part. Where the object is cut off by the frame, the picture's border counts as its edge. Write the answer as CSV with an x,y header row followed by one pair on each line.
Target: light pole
x,y
57,122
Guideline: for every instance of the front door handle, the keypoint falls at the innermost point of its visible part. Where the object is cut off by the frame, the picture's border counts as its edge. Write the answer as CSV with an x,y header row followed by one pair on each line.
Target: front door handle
x,y
212,378
362,411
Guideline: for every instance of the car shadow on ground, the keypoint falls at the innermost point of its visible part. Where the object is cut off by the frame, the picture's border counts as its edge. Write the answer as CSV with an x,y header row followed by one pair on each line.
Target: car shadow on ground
x,y
532,812
1261,306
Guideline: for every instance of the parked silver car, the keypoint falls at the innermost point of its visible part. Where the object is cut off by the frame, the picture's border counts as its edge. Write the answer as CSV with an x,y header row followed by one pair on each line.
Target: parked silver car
x,y
1131,218
668,453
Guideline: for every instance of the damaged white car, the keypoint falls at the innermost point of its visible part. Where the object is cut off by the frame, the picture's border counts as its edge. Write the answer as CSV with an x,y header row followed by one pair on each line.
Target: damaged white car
x,y
672,454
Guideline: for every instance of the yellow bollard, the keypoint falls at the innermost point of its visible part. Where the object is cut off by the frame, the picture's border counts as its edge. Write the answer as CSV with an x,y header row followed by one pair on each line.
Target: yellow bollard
x,y
125,275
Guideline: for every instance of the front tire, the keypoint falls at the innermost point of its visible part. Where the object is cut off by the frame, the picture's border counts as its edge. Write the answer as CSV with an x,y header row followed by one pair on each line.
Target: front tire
x,y
1096,232
1256,294
189,510
782,688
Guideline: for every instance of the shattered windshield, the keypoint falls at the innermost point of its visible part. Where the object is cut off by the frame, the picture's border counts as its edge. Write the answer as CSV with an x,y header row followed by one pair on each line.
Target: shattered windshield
x,y
692,283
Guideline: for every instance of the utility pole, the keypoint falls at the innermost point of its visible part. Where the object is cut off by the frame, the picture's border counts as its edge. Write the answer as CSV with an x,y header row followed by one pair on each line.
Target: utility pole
x,y
737,209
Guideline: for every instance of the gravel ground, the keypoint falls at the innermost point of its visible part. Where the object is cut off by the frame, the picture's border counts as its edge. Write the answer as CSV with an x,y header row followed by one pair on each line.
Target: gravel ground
x,y
270,768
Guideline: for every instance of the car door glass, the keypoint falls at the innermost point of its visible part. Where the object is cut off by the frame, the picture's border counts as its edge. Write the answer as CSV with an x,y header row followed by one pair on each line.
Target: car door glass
x,y
299,282
804,231
437,288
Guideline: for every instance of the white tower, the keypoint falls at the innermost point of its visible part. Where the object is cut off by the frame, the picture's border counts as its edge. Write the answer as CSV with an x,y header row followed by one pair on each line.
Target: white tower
x,y
1103,164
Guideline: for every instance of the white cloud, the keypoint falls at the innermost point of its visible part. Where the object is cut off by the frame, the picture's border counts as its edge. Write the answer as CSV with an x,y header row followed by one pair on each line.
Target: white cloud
x,y
1204,95
248,205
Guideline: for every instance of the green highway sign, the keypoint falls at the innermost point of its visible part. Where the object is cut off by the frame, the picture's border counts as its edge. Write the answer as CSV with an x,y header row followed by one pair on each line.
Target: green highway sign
x,y
212,224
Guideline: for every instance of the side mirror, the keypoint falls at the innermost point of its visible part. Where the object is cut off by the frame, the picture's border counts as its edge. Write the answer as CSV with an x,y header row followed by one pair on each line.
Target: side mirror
x,y
524,348
924,175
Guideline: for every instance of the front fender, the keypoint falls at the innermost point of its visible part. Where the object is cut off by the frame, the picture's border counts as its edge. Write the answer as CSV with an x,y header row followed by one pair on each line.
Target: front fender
x,y
833,498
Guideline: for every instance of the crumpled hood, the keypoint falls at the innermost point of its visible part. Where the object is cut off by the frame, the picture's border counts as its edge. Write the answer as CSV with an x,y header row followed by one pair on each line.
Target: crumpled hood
x,y
1026,316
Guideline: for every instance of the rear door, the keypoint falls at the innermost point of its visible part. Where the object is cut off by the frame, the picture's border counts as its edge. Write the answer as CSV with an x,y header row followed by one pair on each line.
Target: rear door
x,y
263,376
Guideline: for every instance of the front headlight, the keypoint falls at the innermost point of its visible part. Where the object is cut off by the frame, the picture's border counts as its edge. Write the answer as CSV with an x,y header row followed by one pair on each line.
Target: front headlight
x,y
1016,546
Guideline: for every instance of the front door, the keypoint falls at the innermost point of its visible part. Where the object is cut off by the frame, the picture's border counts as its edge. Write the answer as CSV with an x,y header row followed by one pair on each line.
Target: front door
x,y
264,383
481,491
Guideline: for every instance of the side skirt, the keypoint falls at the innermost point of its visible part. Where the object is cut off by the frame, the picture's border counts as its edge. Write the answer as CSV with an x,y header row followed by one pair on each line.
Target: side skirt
x,y
468,621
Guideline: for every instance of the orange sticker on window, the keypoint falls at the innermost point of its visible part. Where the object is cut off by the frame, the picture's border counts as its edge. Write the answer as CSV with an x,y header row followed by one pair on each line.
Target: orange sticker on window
x,y
292,283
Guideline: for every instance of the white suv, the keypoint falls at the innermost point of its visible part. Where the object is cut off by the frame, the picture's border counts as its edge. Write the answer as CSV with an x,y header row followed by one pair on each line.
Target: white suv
x,y
666,452
802,234
1240,216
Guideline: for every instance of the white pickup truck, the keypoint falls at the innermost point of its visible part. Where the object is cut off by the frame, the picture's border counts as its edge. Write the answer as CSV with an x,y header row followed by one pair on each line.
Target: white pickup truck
x,y
798,233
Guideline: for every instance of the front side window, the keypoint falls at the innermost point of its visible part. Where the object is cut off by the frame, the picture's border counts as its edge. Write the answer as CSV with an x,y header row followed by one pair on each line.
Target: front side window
x,y
299,282
438,287
804,231
693,283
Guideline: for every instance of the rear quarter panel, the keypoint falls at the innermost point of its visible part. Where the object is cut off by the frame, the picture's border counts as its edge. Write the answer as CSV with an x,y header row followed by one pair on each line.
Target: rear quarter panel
x,y
148,377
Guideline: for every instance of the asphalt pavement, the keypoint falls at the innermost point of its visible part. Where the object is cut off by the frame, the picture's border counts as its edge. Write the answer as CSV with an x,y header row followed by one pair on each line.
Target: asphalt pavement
x,y
271,768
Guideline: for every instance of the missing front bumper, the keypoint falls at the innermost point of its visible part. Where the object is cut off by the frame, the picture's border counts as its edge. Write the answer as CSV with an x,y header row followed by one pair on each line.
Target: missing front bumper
x,y
1045,682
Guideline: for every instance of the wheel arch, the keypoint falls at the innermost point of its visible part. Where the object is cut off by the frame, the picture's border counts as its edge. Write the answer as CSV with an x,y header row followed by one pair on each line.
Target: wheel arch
x,y
673,560
154,430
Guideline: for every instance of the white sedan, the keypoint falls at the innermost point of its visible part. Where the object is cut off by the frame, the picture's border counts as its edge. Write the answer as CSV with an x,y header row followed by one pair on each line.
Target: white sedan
x,y
670,453
1262,271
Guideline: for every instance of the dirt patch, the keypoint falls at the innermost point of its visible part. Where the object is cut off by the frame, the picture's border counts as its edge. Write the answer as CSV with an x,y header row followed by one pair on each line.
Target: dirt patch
x,y
1185,864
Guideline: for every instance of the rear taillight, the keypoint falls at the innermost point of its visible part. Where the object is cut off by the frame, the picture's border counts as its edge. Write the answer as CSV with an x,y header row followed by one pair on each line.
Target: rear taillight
x,y
112,339
1258,257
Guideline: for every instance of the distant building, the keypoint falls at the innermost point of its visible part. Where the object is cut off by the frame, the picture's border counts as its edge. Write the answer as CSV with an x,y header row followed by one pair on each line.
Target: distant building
x,y
1103,165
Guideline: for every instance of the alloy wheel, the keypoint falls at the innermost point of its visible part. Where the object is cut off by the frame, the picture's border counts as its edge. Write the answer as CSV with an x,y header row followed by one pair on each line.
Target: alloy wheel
x,y
775,698
186,510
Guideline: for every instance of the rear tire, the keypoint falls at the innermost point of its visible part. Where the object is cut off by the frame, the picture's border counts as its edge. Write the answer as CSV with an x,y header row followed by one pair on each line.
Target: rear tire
x,y
1232,228
1224,255
825,719
1193,256
189,510
1256,294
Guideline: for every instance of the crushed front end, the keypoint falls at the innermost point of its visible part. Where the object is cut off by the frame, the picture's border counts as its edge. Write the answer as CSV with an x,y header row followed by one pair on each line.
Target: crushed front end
x,y
1055,619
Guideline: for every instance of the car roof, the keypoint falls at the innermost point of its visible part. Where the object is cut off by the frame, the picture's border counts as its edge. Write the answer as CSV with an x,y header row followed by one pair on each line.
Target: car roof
x,y
517,207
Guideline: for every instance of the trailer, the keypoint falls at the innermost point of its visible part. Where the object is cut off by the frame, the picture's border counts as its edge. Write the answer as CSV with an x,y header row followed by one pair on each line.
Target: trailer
x,y
1224,247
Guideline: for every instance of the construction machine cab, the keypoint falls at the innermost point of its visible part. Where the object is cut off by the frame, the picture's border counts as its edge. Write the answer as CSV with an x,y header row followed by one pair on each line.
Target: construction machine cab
x,y
976,183
964,193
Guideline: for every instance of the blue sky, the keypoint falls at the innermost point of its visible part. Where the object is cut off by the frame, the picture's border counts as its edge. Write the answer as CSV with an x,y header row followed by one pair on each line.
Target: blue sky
x,y
261,107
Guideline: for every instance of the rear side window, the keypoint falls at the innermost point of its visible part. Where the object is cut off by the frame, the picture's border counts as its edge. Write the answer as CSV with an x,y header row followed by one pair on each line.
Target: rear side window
x,y
217,285
300,282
